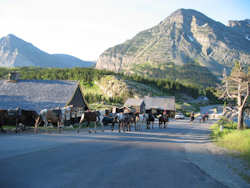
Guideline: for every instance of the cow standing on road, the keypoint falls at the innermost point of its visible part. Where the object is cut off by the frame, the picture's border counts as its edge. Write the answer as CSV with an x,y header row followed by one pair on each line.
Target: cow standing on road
x,y
54,116
140,120
150,120
90,117
163,119
18,117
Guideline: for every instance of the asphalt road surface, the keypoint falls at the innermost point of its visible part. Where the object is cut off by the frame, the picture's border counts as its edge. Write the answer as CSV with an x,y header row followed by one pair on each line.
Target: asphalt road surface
x,y
148,159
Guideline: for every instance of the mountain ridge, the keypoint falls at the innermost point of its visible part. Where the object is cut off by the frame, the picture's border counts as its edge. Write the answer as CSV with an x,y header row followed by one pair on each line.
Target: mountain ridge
x,y
15,52
186,36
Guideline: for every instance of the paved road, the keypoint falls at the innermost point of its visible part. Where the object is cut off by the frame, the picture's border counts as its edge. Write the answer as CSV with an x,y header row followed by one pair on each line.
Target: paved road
x,y
151,158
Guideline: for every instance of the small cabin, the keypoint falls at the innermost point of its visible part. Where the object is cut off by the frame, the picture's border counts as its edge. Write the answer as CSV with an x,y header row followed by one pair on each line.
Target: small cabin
x,y
158,105
137,104
155,105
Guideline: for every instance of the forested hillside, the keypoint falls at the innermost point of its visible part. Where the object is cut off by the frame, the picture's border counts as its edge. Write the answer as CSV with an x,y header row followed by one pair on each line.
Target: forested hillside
x,y
187,73
88,78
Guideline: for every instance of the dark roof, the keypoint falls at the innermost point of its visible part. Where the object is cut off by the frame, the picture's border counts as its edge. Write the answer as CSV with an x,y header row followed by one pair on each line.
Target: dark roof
x,y
77,99
39,94
163,103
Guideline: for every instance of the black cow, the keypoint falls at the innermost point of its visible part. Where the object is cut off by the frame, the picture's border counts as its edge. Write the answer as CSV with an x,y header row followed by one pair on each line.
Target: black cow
x,y
17,117
163,119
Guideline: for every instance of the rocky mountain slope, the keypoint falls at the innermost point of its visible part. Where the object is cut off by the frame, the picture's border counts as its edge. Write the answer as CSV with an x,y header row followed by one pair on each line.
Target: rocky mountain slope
x,y
186,36
15,52
242,26
113,86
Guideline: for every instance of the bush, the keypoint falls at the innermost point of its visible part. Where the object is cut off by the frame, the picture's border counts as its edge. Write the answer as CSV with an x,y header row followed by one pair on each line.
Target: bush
x,y
226,123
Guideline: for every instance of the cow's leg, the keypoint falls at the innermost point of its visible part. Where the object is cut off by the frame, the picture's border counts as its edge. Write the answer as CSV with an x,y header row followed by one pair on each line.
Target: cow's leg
x,y
79,126
94,125
119,126
58,127
112,126
88,124
102,126
16,125
46,123
2,129
124,126
36,125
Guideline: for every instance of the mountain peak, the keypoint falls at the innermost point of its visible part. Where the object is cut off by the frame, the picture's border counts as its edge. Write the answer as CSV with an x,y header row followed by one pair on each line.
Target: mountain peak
x,y
189,13
11,36
182,16
183,11
15,52
185,36
12,41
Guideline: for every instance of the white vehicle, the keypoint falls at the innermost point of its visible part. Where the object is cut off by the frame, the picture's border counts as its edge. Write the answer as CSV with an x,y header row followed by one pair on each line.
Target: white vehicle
x,y
179,116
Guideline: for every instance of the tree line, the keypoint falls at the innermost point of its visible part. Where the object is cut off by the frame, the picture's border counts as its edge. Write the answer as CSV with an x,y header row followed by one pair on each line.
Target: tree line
x,y
87,76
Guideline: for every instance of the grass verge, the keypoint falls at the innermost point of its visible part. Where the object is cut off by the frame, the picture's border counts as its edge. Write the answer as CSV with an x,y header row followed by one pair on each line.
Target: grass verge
x,y
234,140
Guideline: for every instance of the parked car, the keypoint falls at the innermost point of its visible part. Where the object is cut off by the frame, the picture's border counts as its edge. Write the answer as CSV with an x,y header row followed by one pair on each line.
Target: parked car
x,y
179,116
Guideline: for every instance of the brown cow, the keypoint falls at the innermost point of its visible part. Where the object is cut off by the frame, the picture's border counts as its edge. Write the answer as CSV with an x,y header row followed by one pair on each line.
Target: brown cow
x,y
90,116
53,116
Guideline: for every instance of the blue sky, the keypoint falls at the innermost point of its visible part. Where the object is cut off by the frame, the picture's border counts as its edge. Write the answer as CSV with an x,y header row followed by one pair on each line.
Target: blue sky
x,y
85,28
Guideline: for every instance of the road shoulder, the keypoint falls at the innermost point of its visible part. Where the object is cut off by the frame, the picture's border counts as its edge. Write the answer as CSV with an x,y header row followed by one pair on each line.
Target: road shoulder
x,y
215,161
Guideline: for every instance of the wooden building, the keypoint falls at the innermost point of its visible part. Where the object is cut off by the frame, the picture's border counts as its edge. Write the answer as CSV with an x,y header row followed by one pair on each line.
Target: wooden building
x,y
155,105
160,104
41,94
137,104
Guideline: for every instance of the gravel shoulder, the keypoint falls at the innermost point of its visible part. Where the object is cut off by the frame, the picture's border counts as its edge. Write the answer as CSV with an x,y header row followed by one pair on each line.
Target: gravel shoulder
x,y
218,162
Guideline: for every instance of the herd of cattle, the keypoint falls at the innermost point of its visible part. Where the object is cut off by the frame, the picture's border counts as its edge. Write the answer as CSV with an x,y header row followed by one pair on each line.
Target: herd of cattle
x,y
125,119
